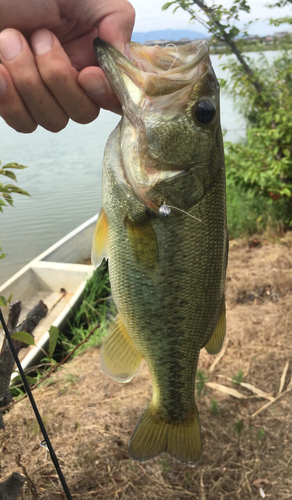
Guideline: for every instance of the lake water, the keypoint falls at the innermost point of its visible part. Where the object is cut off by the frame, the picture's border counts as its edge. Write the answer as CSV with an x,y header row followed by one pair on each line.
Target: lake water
x,y
64,179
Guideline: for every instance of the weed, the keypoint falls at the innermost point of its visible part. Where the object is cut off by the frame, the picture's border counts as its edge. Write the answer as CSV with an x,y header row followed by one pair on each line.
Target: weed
x,y
239,426
131,465
261,435
248,214
165,467
97,307
201,380
48,382
237,379
187,480
71,378
214,407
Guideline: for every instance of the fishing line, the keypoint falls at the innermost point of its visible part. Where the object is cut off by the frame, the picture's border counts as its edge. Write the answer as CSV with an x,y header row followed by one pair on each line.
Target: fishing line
x,y
165,210
176,56
35,409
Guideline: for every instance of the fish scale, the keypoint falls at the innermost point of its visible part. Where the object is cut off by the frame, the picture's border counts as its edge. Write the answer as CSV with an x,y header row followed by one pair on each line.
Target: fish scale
x,y
167,273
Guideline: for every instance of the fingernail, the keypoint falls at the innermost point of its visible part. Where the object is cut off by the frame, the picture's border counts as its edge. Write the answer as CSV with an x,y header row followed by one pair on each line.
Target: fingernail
x,y
94,86
3,84
121,47
42,42
10,44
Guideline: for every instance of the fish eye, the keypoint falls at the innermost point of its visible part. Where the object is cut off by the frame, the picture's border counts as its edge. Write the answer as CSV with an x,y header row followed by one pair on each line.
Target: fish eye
x,y
204,111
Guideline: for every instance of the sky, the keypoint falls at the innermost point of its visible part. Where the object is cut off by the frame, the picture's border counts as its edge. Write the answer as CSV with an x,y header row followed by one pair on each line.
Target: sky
x,y
149,16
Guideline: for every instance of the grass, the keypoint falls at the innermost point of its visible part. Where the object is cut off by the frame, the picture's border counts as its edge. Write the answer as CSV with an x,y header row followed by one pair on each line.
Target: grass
x,y
97,307
237,379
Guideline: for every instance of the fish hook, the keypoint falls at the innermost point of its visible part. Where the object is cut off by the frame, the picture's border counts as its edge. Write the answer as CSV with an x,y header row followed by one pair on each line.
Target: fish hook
x,y
165,211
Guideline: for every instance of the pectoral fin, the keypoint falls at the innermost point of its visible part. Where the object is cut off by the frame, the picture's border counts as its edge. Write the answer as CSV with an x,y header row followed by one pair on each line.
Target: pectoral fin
x,y
214,345
143,241
99,249
119,360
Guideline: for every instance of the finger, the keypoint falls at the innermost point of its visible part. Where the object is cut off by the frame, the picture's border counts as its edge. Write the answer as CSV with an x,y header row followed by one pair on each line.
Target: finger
x,y
12,109
116,28
96,85
61,78
113,18
18,60
80,50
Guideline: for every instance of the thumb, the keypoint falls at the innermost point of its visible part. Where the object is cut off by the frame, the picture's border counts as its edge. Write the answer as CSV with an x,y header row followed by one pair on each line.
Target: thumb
x,y
117,28
114,19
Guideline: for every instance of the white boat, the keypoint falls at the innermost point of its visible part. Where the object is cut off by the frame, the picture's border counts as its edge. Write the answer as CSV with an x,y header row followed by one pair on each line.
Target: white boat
x,y
58,277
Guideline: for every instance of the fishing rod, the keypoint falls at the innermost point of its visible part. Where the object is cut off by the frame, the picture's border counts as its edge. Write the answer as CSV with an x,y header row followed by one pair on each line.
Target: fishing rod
x,y
47,441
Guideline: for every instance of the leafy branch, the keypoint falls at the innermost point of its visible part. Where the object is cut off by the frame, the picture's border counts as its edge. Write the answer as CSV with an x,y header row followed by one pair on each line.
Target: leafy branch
x,y
219,24
6,190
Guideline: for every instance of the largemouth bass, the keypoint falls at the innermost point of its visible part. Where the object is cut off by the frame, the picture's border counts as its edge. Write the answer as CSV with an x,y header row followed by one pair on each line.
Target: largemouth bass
x,y
163,229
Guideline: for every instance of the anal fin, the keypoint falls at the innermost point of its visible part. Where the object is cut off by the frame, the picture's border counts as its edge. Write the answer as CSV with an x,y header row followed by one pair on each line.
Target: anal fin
x,y
99,249
120,359
215,343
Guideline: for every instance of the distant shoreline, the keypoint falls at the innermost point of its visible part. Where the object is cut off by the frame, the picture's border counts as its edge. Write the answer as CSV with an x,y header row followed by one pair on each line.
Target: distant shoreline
x,y
250,44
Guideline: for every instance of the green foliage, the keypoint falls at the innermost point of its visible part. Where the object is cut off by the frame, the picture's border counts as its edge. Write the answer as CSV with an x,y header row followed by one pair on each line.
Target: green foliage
x,y
16,387
214,407
237,379
6,190
4,302
201,380
165,467
261,435
24,337
262,164
217,19
97,307
53,338
248,214
239,427
2,255
280,20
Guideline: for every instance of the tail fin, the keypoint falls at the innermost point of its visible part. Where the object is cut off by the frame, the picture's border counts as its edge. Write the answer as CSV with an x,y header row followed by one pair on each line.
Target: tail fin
x,y
152,437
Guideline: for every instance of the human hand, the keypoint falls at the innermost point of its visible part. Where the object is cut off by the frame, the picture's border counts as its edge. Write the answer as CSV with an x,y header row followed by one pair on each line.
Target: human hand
x,y
48,70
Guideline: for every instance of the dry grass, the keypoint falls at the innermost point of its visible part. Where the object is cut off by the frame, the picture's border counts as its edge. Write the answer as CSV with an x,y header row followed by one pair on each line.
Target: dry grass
x,y
90,418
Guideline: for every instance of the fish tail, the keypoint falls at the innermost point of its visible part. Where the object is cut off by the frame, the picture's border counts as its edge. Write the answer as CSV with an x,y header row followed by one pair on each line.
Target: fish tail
x,y
154,436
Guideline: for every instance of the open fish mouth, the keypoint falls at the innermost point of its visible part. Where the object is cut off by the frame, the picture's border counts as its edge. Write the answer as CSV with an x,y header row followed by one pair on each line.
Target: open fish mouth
x,y
151,72
159,89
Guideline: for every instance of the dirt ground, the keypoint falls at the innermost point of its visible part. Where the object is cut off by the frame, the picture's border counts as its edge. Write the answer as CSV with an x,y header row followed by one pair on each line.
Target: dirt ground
x,y
247,453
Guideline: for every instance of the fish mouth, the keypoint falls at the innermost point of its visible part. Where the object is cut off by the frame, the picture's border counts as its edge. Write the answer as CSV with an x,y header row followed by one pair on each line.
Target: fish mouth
x,y
150,72
152,79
